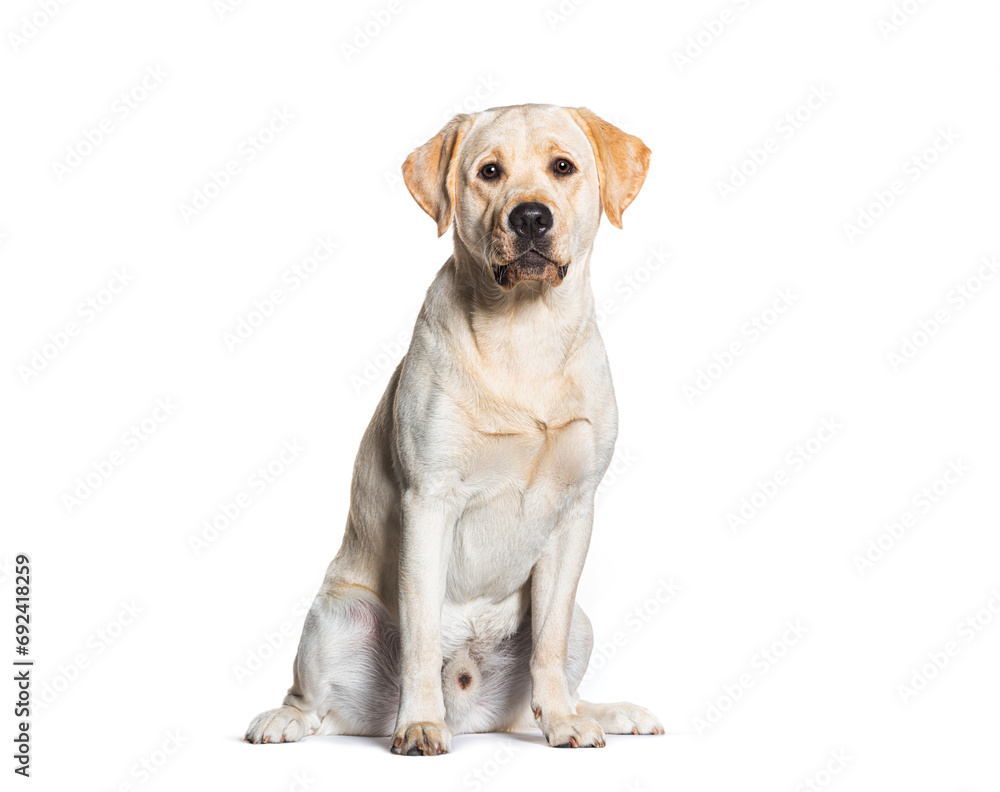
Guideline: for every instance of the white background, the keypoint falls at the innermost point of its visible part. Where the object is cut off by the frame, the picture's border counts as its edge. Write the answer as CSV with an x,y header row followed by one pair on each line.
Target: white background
x,y
314,370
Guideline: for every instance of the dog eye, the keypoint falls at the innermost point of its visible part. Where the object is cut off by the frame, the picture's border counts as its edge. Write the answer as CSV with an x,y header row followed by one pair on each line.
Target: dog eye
x,y
563,167
490,171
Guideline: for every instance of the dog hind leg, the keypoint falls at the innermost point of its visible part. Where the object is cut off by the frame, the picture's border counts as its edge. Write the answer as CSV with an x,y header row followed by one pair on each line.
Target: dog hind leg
x,y
345,672
618,718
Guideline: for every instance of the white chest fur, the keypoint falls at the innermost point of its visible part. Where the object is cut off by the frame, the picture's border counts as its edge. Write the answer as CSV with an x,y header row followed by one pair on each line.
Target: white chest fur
x,y
515,488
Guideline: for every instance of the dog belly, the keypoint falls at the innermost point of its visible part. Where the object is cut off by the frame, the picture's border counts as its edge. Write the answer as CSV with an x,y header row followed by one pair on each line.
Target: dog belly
x,y
480,624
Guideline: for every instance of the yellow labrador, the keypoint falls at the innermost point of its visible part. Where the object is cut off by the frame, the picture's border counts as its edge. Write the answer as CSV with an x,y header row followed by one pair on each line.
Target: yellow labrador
x,y
451,604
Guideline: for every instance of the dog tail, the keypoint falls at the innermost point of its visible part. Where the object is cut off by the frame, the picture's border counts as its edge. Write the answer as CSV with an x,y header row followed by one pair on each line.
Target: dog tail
x,y
461,682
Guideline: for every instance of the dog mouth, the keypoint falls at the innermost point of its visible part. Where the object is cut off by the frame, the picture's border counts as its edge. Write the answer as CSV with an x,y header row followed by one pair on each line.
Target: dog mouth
x,y
529,266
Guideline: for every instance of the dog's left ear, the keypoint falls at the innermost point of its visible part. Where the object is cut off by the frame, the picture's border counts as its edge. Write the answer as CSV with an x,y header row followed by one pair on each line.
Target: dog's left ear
x,y
429,175
622,162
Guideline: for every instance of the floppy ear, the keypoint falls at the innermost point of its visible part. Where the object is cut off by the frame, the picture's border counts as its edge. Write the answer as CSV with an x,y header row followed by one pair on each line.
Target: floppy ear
x,y
622,162
429,175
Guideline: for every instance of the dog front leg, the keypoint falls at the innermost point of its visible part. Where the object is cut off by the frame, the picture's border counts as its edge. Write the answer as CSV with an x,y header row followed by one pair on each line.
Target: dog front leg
x,y
428,522
553,595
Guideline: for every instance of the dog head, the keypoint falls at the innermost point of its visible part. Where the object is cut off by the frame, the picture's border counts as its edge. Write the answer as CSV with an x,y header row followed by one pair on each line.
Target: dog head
x,y
526,185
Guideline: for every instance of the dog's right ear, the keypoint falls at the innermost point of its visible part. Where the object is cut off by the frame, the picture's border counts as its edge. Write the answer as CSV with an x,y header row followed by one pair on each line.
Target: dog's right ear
x,y
429,173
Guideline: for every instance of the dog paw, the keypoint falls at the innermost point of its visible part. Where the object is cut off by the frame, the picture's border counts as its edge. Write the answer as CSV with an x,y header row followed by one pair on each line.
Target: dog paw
x,y
284,724
421,739
621,718
573,731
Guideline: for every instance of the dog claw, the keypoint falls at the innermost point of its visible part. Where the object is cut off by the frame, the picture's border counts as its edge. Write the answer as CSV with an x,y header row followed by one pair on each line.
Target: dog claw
x,y
573,731
285,724
421,739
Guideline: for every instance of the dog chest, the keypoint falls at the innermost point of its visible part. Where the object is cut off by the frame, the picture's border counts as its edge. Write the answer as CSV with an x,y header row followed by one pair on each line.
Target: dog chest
x,y
545,461
516,486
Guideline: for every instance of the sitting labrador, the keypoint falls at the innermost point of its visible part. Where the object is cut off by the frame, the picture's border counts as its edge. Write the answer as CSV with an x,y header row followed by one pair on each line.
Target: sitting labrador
x,y
450,606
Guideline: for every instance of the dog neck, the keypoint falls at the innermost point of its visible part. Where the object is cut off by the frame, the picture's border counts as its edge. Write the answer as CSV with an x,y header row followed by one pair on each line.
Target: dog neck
x,y
534,323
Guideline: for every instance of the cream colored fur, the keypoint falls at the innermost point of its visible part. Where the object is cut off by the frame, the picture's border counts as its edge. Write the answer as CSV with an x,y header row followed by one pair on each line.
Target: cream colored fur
x,y
451,604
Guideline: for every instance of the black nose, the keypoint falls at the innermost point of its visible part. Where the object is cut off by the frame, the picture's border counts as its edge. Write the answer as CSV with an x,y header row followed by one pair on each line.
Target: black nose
x,y
530,220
